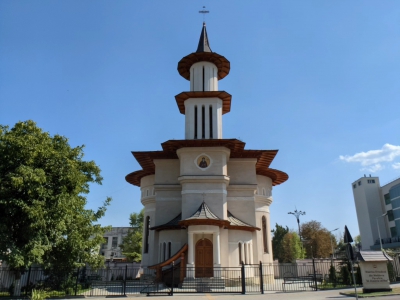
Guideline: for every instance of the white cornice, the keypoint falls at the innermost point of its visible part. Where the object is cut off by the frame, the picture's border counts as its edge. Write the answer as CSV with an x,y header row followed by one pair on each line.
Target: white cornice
x,y
242,187
204,179
167,187
148,200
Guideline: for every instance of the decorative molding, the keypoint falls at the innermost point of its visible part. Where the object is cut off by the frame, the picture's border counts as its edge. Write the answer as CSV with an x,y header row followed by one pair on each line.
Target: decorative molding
x,y
239,198
242,187
184,192
167,187
204,179
148,200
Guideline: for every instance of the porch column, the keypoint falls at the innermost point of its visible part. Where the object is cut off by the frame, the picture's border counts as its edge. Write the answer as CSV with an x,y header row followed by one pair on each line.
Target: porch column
x,y
217,253
251,252
191,249
190,262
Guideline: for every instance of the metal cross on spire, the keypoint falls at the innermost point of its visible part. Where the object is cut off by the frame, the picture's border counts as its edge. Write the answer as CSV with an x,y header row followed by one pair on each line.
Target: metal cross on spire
x,y
204,12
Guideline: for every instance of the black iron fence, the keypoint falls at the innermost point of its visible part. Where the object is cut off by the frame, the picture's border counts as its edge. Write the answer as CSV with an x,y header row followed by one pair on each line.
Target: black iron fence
x,y
250,278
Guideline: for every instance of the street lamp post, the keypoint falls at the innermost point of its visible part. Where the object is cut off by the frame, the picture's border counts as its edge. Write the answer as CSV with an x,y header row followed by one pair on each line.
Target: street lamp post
x,y
297,214
379,232
331,241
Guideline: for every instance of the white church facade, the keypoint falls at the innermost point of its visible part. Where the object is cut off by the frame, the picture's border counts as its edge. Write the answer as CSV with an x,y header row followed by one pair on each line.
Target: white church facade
x,y
206,199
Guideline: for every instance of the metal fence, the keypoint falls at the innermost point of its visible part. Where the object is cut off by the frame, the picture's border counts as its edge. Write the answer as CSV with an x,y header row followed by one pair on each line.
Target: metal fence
x,y
124,280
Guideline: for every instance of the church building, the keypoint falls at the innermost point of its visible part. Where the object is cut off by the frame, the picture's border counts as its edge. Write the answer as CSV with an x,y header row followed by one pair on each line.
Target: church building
x,y
206,198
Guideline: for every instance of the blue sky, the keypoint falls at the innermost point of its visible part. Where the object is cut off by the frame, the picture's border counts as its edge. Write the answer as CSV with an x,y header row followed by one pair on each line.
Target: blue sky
x,y
318,80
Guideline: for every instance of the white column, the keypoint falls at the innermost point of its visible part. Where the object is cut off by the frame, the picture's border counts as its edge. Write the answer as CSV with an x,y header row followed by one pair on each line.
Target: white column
x,y
217,252
215,121
191,249
199,119
189,121
207,121
251,253
219,114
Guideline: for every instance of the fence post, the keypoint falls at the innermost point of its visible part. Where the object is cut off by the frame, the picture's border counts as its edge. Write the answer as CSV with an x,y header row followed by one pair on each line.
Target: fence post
x,y
172,283
315,275
27,281
243,279
126,272
76,281
261,278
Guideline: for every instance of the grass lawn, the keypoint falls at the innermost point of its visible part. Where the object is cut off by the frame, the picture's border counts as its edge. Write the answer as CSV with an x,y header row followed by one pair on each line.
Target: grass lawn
x,y
395,291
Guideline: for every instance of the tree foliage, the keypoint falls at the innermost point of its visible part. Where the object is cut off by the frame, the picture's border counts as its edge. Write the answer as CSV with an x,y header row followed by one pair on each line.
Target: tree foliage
x,y
292,248
317,240
132,243
43,183
277,247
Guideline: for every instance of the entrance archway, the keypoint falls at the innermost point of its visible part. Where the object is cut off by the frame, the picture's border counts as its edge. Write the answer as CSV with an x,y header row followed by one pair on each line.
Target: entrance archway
x,y
204,258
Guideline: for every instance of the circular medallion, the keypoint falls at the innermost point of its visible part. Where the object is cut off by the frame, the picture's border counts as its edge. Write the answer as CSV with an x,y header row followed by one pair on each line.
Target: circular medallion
x,y
203,161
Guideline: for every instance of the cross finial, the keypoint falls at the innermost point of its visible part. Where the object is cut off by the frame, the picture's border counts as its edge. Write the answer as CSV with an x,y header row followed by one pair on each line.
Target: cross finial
x,y
204,12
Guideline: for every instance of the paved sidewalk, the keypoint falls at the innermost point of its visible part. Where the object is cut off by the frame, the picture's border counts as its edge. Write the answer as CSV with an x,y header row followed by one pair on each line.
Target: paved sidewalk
x,y
319,295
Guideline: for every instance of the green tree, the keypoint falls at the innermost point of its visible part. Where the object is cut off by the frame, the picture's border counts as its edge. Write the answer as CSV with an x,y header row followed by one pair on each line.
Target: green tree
x,y
43,220
277,248
132,244
292,248
317,240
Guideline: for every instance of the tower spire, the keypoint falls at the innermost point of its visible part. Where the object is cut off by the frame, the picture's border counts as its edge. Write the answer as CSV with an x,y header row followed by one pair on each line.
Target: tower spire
x,y
203,46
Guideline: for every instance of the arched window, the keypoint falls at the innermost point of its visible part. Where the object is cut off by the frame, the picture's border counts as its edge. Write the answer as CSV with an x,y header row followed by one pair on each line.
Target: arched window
x,y
147,192
264,233
240,252
169,250
147,232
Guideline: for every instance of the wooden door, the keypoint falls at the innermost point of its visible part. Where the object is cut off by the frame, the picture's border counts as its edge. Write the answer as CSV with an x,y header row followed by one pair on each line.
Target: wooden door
x,y
204,258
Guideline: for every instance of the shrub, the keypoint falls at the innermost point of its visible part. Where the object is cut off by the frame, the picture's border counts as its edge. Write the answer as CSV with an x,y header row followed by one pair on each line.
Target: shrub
x,y
38,295
345,275
332,275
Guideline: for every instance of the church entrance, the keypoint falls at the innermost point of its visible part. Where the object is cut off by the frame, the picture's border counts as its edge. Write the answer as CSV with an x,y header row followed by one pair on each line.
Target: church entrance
x,y
204,259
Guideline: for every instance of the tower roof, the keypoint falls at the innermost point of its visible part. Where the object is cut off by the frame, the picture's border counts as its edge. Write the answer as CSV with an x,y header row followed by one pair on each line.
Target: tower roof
x,y
204,53
203,46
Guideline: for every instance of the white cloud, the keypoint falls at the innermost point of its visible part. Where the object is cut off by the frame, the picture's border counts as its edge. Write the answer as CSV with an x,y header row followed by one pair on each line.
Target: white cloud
x,y
372,160
374,168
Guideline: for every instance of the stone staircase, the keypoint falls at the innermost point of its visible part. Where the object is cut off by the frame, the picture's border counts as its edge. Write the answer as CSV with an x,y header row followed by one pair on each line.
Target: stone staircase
x,y
203,284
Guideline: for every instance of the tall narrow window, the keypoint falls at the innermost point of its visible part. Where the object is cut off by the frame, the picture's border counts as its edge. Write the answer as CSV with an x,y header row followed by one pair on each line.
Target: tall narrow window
x,y
240,252
169,250
203,123
195,122
203,79
147,232
164,251
264,233
211,124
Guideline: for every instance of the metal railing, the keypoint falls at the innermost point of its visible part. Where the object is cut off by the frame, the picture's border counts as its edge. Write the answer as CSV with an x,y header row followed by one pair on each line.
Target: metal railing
x,y
245,278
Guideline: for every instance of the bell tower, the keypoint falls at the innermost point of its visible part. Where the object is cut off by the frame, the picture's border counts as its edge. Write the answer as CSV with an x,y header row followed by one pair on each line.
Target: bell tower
x,y
203,106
